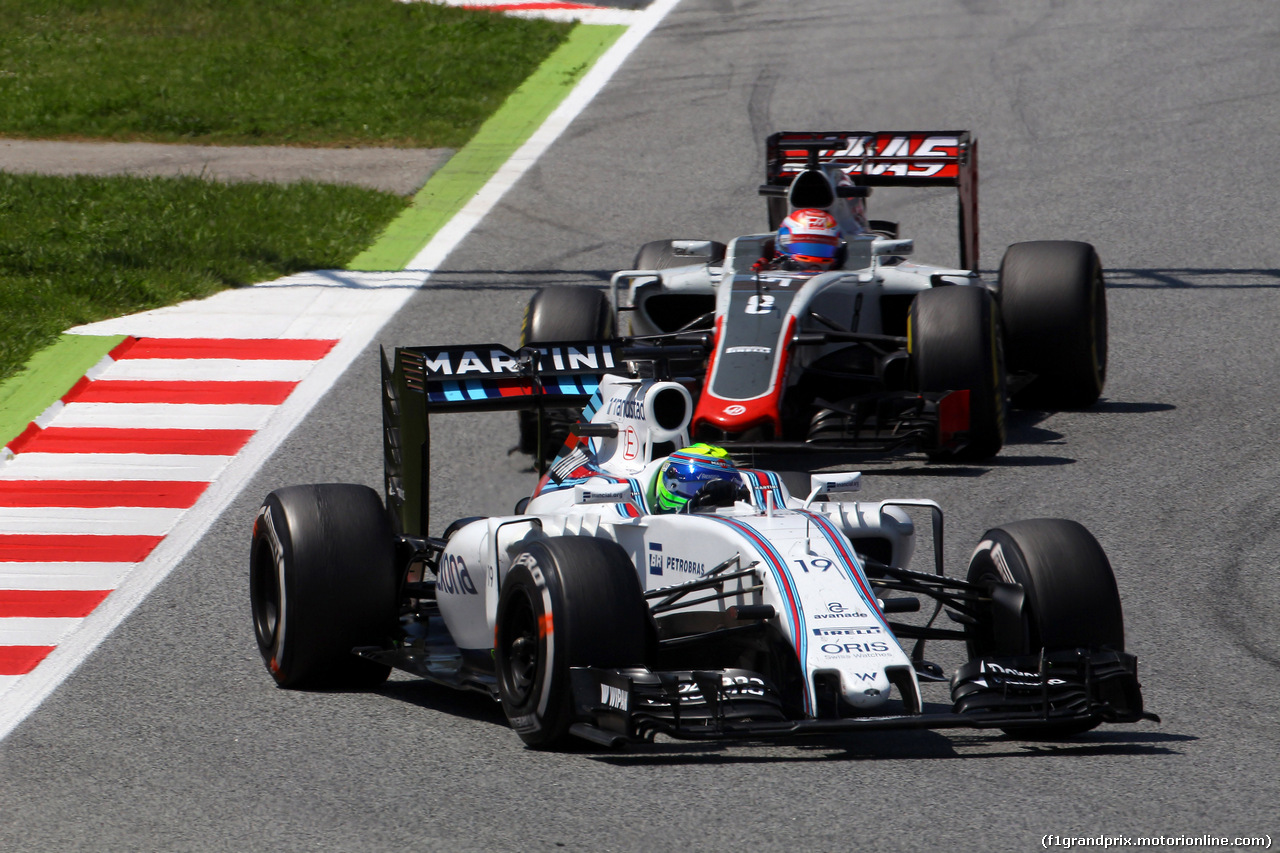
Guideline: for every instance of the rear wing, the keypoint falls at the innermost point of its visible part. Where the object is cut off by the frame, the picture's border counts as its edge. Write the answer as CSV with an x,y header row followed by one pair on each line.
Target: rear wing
x,y
946,158
420,381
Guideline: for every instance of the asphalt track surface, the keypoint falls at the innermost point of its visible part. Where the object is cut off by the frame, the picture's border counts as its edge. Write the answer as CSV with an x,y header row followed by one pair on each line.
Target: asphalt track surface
x,y
1146,128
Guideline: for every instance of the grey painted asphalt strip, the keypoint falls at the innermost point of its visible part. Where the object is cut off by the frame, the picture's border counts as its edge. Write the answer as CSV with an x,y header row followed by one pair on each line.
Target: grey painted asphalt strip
x,y
398,170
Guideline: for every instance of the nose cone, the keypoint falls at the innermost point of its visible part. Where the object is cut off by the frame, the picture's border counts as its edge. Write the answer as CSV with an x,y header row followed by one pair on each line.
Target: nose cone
x,y
863,689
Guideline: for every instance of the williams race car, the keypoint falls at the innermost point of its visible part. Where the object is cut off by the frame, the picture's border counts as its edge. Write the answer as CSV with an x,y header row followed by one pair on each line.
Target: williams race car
x,y
648,588
826,336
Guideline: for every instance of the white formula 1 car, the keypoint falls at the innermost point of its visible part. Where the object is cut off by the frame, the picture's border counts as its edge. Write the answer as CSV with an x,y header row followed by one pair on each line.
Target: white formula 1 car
x,y
754,613
878,353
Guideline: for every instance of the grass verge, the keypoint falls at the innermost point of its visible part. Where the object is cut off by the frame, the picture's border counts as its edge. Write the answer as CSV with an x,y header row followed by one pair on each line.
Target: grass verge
x,y
300,72
450,188
48,374
78,250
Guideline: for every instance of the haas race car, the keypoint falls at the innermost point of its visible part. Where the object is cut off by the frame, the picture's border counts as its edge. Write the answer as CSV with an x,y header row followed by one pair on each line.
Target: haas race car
x,y
601,611
869,350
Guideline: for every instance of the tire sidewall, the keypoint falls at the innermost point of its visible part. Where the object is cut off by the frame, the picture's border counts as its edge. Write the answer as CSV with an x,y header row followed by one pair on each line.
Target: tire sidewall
x,y
1053,299
272,551
1071,599
555,314
586,601
565,313
540,715
327,553
955,343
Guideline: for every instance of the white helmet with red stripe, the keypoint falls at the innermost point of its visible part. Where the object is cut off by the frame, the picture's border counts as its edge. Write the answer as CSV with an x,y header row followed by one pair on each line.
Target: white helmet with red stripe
x,y
810,238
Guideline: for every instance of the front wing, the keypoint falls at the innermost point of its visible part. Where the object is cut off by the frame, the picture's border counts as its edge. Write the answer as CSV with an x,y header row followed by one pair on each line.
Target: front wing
x,y
1057,690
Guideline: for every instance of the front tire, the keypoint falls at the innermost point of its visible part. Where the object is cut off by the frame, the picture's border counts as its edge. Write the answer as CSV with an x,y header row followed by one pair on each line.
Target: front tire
x,y
565,602
322,581
1053,301
953,339
559,314
1070,596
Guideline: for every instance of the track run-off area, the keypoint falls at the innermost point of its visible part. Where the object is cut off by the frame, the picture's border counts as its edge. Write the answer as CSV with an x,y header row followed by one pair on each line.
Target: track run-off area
x,y
1141,127
99,492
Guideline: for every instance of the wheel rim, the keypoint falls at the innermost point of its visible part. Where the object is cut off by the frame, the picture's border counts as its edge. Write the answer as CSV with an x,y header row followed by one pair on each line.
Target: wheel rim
x,y
984,643
521,646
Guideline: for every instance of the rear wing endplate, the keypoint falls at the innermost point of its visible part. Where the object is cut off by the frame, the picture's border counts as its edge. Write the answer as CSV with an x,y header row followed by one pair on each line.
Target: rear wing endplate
x,y
947,158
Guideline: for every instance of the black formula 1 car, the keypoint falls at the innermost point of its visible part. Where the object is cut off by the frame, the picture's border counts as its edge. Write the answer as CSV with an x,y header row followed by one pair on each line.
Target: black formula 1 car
x,y
877,354
753,613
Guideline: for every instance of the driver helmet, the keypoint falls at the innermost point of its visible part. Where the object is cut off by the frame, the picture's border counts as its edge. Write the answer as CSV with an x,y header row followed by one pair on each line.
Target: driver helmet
x,y
688,470
810,238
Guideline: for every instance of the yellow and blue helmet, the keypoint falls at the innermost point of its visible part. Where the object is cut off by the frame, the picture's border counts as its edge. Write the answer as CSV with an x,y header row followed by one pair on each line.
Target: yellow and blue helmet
x,y
688,470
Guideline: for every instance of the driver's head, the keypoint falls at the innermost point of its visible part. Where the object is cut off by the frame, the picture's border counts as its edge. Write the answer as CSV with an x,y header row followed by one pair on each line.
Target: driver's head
x,y
809,238
688,470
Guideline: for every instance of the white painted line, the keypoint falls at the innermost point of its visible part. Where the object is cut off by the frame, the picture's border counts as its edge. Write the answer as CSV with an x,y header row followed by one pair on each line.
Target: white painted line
x,y
583,12
207,370
35,631
46,417
323,304
63,575
351,280
162,416
601,17
113,466
90,521
359,330
7,682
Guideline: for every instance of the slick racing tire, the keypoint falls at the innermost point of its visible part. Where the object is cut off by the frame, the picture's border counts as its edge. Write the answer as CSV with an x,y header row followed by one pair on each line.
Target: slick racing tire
x,y
559,314
953,340
1053,302
565,602
664,255
322,581
1070,597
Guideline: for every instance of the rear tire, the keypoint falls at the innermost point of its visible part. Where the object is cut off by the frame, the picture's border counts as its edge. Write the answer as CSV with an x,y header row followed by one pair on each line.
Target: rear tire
x,y
565,602
560,314
1053,301
953,336
1071,600
322,581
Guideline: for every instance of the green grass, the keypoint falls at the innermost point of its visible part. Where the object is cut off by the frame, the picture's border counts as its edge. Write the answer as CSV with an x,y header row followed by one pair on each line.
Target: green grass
x,y
77,250
297,72
300,72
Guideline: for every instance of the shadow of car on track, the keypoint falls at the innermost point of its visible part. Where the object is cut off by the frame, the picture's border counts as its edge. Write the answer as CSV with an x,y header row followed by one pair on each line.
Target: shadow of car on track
x,y
896,746
1024,427
1223,278
463,704
1117,407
